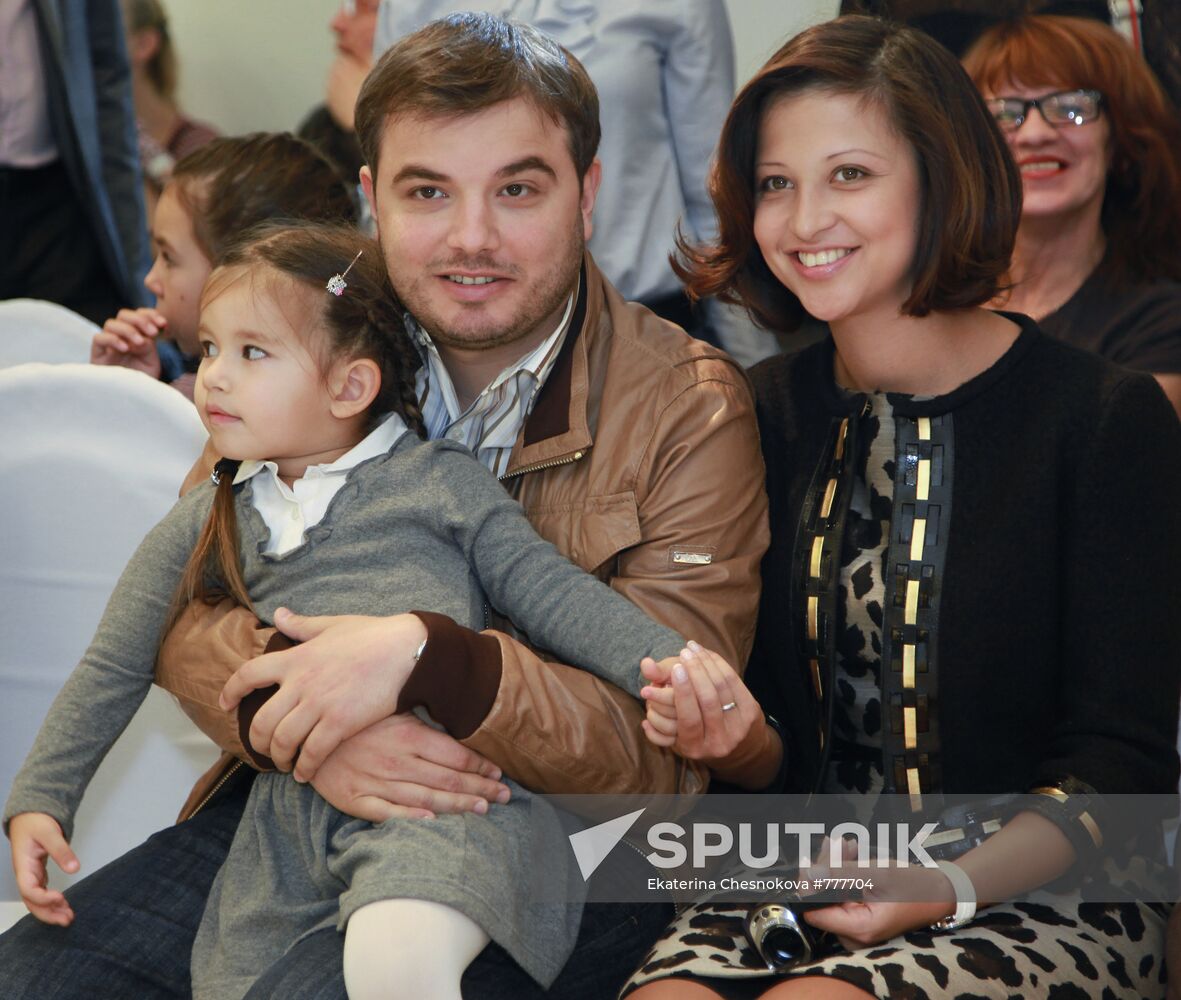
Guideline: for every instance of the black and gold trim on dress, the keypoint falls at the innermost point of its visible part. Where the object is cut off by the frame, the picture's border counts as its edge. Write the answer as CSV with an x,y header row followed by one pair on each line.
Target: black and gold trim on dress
x,y
920,518
916,556
823,527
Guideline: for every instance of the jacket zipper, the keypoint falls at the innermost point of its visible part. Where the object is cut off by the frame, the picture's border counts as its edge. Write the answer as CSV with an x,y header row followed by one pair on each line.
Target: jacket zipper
x,y
215,789
568,460
677,907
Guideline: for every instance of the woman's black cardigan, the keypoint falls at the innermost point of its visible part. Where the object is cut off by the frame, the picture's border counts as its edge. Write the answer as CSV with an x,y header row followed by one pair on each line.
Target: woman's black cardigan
x,y
1054,620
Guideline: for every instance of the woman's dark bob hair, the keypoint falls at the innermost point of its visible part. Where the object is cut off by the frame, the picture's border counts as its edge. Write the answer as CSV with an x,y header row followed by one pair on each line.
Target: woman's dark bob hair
x,y
971,190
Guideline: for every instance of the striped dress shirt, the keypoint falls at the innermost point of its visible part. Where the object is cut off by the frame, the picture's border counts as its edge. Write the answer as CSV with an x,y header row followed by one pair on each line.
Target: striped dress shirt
x,y
489,427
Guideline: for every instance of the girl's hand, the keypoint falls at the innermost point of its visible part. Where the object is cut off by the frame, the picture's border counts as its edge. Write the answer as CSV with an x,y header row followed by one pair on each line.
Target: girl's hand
x,y
35,837
129,340
661,726
689,712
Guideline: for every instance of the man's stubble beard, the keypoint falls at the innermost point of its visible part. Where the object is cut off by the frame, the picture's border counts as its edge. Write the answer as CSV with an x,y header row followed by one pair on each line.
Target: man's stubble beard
x,y
551,292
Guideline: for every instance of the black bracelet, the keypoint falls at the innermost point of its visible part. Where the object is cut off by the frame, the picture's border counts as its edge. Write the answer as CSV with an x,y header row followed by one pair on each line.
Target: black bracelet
x,y
1075,808
780,780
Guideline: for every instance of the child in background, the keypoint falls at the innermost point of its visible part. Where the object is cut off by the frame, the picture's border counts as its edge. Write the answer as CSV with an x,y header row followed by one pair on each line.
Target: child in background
x,y
216,193
307,380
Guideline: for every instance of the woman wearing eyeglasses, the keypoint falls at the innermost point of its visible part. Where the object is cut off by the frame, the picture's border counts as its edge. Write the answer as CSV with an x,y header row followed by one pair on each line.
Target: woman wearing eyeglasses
x,y
1096,262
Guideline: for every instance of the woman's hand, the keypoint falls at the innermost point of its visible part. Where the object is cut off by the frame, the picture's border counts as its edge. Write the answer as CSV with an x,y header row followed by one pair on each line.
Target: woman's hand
x,y
35,837
916,897
902,899
864,924
701,708
129,341
1025,854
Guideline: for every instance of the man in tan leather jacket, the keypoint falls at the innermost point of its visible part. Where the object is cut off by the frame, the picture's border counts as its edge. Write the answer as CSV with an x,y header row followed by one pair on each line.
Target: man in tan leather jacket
x,y
661,497
636,454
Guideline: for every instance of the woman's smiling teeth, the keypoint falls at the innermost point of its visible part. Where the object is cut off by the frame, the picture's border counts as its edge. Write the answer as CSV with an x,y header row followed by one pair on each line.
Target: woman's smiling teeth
x,y
1040,166
467,279
823,257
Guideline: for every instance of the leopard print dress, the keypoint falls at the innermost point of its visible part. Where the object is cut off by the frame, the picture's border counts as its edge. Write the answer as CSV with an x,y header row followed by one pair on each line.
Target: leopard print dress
x,y
1043,946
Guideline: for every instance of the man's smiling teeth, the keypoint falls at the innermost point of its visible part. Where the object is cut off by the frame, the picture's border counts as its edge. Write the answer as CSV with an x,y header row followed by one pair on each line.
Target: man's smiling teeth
x,y
1041,166
465,279
824,257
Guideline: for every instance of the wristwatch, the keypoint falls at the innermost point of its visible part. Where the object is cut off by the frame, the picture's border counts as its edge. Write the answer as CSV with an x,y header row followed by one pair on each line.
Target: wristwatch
x,y
965,898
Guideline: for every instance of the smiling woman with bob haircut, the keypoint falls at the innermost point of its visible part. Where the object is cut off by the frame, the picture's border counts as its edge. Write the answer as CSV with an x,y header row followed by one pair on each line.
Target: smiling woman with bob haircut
x,y
939,613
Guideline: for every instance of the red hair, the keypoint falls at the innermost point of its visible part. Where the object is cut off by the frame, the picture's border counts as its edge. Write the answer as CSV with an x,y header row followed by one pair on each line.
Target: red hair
x,y
1142,205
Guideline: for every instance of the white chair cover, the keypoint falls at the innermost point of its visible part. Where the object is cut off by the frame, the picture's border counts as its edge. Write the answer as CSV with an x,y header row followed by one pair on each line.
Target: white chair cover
x,y
91,458
35,330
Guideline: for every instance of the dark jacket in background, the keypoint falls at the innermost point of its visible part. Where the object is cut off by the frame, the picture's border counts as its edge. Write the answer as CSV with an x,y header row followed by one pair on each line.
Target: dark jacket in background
x,y
93,121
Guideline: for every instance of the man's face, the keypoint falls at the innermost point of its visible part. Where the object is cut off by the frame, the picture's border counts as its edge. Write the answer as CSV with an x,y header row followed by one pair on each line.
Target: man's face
x,y
482,222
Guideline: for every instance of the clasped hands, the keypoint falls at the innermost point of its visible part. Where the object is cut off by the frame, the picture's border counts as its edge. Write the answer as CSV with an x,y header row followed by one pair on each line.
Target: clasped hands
x,y
700,706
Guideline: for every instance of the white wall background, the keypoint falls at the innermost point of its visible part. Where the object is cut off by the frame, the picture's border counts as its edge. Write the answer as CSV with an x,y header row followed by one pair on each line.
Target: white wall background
x,y
761,26
261,64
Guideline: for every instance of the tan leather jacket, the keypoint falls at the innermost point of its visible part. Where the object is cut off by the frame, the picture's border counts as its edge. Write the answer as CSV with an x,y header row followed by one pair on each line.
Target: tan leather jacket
x,y
641,463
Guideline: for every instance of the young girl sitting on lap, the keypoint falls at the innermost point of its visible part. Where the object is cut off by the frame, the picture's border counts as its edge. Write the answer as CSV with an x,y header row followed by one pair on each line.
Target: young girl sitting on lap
x,y
307,375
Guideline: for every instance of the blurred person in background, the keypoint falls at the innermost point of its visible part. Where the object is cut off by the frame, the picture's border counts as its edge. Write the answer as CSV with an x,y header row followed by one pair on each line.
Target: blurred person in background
x,y
329,126
166,133
73,227
1096,261
1152,27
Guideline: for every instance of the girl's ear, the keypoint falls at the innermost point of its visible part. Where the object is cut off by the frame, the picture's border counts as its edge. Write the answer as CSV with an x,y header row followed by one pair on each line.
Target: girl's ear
x,y
353,386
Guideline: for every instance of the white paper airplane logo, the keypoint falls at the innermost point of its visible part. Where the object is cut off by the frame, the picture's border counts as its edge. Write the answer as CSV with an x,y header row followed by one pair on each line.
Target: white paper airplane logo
x,y
592,845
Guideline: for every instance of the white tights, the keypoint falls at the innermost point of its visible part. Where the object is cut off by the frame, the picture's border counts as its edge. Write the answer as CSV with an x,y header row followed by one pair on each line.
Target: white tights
x,y
407,949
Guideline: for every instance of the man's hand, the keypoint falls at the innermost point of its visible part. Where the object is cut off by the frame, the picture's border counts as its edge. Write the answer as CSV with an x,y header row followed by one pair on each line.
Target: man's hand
x,y
129,340
35,837
347,674
401,767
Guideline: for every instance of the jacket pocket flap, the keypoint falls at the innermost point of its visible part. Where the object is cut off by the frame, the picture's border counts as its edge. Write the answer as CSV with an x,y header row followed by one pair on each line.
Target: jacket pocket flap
x,y
592,534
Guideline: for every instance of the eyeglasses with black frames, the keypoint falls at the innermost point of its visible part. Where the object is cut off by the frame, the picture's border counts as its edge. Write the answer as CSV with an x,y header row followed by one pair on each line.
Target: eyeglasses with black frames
x,y
1062,108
